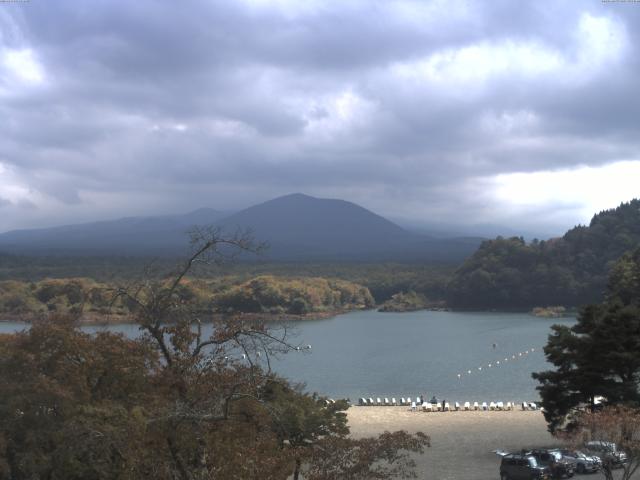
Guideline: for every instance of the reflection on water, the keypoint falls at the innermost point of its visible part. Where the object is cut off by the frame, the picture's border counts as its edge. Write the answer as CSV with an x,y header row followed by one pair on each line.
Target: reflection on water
x,y
409,354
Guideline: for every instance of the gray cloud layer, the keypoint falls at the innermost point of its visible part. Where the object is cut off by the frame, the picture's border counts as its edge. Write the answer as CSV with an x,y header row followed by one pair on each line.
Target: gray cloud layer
x,y
112,108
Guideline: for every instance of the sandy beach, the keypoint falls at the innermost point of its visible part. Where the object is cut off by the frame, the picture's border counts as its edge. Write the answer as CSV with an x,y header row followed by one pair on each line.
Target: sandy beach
x,y
461,442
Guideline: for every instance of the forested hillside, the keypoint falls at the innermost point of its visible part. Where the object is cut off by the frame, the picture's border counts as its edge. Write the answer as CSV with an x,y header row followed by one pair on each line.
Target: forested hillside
x,y
572,270
263,294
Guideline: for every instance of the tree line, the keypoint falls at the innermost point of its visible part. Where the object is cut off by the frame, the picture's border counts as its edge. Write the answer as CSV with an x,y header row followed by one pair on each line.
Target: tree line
x,y
509,273
263,294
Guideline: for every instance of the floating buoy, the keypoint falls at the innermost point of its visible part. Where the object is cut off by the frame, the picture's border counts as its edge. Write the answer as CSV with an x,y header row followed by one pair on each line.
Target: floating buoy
x,y
489,365
498,362
308,347
469,372
459,375
479,368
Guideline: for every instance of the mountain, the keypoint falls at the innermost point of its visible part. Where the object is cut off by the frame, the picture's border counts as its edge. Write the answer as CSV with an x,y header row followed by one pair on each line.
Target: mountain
x,y
166,234
509,273
296,227
299,227
298,224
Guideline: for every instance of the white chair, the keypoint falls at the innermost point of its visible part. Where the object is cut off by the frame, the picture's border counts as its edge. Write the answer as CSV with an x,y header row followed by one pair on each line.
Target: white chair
x,y
467,406
402,401
500,406
509,406
525,406
437,406
371,402
457,406
447,407
413,406
393,401
426,407
386,401
476,406
418,401
484,406
362,402
378,401
492,405
533,406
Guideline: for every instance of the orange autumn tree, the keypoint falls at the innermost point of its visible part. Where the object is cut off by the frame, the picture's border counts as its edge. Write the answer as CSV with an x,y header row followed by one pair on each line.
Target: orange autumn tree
x,y
173,403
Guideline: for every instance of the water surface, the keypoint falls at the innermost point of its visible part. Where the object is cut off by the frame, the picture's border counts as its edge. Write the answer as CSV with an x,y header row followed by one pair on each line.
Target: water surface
x,y
376,354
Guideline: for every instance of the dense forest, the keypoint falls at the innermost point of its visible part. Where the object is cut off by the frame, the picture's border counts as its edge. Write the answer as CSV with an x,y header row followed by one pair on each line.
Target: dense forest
x,y
382,279
508,273
263,294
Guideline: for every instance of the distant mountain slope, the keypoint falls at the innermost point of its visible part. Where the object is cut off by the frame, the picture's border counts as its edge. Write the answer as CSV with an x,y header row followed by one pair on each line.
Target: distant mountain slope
x,y
319,226
301,227
297,228
572,270
165,234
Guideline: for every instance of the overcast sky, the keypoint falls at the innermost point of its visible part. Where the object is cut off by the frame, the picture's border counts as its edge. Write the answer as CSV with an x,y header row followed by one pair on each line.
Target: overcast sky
x,y
515,113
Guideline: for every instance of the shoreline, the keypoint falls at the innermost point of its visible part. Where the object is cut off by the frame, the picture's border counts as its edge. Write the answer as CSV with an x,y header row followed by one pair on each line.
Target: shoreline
x,y
93,318
105,319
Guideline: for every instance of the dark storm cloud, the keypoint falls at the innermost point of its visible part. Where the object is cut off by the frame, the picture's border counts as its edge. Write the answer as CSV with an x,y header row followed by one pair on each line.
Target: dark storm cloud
x,y
408,107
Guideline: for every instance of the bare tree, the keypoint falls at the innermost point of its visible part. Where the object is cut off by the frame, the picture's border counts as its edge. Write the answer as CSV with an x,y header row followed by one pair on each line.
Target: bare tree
x,y
617,425
206,373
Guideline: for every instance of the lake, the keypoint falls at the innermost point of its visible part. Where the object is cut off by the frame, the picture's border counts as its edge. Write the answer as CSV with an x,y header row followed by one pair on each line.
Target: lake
x,y
374,354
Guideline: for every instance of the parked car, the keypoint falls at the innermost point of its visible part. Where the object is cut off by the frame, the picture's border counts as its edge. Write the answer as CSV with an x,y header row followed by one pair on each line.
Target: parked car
x,y
582,462
515,466
607,451
558,466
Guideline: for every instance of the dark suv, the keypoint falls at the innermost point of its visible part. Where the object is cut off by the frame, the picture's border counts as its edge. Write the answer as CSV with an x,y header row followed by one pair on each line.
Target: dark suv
x,y
558,466
515,466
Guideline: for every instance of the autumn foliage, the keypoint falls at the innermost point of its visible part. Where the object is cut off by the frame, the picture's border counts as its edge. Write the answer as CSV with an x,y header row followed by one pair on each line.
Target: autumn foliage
x,y
172,403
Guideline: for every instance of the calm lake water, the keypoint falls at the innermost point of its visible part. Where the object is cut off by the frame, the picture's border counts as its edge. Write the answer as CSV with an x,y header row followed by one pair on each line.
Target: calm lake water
x,y
373,354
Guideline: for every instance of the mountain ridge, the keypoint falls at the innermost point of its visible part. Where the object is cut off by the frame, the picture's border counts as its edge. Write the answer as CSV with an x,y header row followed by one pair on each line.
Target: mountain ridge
x,y
296,226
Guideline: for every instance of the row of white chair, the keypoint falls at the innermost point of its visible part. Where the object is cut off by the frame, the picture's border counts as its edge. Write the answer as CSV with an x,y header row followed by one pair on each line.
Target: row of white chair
x,y
388,402
378,401
438,407
467,406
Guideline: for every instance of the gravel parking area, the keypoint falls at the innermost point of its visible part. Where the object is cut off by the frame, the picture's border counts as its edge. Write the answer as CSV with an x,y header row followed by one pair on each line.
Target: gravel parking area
x,y
461,442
